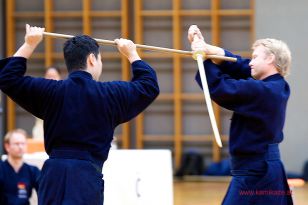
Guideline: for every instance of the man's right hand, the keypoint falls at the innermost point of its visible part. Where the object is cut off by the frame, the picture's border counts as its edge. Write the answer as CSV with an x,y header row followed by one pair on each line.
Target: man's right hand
x,y
33,37
198,44
128,49
193,33
196,39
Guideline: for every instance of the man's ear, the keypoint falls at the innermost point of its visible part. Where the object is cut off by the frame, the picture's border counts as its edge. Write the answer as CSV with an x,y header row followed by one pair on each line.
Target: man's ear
x,y
92,59
6,147
270,59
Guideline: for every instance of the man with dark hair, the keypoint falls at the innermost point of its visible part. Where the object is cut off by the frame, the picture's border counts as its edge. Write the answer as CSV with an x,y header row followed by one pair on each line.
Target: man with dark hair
x,y
79,113
17,178
79,48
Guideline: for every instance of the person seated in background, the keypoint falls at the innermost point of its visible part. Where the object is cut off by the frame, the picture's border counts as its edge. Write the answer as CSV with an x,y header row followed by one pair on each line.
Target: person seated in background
x,y
17,178
52,73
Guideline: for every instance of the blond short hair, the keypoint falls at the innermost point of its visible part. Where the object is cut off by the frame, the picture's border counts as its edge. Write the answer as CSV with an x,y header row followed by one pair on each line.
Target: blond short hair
x,y
281,52
9,134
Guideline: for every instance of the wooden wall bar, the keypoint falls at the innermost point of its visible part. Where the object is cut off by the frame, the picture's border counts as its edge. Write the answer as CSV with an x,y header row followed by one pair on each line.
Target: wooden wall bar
x,y
177,120
50,16
178,97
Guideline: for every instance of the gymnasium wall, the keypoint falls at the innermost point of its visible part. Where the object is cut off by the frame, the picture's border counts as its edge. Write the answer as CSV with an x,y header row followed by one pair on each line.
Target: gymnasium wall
x,y
2,48
2,51
284,21
287,20
178,119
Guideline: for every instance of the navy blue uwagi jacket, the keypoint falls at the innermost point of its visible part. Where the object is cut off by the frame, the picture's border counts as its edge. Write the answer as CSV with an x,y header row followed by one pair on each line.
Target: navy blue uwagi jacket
x,y
259,105
79,112
17,186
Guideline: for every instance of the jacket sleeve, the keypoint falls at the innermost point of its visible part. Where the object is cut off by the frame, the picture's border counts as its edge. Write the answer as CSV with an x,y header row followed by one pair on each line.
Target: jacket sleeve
x,y
131,98
30,93
241,95
1,183
237,70
35,173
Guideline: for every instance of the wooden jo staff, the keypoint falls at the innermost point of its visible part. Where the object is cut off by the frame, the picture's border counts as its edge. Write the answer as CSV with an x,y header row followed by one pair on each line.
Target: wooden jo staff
x,y
145,47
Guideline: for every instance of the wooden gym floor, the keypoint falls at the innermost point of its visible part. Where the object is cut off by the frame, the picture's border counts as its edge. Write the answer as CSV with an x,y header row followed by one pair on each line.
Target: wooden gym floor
x,y
208,192
211,192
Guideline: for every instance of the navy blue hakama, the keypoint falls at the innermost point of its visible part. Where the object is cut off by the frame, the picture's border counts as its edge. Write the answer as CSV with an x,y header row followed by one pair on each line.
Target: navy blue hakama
x,y
259,179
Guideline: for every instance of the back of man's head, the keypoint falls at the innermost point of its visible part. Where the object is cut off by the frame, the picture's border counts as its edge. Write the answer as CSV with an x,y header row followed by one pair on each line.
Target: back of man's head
x,y
77,49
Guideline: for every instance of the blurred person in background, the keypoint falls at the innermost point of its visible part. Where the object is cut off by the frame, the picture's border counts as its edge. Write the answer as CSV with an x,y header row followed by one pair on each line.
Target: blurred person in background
x,y
17,178
52,73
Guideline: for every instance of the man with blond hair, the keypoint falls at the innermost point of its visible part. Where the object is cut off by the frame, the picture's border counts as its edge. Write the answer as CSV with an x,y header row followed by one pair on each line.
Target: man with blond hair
x,y
255,89
17,178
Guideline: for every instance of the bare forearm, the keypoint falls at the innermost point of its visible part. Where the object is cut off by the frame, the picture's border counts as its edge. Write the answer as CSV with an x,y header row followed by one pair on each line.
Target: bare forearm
x,y
134,57
217,51
25,51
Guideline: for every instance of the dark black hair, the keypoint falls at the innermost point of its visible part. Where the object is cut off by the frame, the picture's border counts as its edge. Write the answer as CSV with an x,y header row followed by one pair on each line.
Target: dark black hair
x,y
77,49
